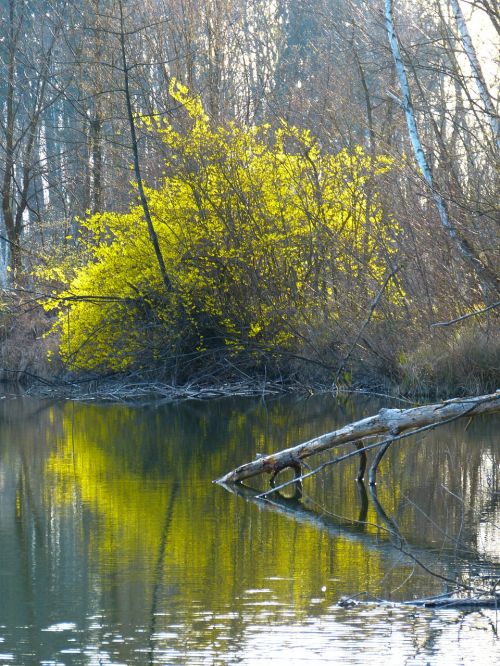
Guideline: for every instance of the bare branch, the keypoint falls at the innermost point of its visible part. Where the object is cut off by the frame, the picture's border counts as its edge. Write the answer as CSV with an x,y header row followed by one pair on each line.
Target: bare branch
x,y
387,421
467,316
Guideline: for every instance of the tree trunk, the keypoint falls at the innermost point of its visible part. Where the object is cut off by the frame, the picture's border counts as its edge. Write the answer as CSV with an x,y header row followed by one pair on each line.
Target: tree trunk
x,y
487,279
8,176
135,150
97,162
477,73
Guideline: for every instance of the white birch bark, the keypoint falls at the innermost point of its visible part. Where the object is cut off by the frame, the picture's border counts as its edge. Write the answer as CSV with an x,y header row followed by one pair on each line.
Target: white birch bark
x,y
486,278
387,422
476,69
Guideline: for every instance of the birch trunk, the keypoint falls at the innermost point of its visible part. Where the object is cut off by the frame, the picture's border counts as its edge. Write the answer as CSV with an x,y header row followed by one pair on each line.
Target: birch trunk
x,y
477,73
487,278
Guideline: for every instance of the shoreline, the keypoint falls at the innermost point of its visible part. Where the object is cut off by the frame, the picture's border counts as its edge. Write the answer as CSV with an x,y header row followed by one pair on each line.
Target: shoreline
x,y
141,391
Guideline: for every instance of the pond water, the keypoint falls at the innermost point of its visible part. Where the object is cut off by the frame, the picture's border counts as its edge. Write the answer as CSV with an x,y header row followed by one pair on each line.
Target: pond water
x,y
116,548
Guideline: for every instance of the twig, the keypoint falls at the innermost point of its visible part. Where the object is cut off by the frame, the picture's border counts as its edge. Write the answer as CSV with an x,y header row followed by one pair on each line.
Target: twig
x,y
466,316
373,306
42,380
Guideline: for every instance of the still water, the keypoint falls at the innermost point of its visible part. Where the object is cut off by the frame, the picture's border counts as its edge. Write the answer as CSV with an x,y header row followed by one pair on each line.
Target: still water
x,y
116,548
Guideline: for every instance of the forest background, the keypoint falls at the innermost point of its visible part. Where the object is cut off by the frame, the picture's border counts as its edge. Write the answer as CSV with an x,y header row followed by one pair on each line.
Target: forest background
x,y
215,191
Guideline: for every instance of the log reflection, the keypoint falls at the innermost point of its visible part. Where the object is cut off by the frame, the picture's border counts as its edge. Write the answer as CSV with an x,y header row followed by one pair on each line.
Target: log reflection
x,y
448,564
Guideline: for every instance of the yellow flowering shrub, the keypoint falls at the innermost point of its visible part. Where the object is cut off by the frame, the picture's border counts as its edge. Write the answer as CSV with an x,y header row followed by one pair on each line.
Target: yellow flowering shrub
x,y
263,235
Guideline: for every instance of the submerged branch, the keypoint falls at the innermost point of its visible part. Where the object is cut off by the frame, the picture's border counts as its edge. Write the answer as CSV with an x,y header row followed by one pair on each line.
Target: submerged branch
x,y
360,451
356,531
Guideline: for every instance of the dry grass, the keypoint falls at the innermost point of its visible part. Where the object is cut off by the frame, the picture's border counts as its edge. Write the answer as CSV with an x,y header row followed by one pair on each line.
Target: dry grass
x,y
462,360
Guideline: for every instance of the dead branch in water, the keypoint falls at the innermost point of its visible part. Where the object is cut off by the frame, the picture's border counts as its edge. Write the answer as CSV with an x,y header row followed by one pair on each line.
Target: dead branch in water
x,y
154,392
394,424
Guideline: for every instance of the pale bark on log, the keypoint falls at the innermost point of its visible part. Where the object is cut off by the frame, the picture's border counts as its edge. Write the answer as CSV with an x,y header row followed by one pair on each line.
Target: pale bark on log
x,y
453,602
389,422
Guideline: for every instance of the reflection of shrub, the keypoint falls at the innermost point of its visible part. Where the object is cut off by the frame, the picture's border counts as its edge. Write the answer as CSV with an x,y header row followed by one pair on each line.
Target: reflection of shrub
x,y
464,360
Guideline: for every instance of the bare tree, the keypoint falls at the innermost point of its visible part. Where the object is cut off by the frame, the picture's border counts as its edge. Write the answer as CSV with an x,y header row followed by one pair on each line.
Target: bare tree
x,y
476,69
27,98
486,277
135,150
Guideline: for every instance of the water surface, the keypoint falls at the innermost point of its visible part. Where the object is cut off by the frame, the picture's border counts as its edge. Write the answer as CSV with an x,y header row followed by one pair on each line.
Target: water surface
x,y
116,548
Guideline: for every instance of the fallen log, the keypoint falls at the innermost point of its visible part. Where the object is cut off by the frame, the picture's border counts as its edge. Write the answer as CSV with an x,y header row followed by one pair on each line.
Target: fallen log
x,y
390,423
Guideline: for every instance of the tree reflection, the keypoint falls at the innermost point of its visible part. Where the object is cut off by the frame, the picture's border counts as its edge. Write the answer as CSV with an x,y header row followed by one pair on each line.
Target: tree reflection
x,y
114,510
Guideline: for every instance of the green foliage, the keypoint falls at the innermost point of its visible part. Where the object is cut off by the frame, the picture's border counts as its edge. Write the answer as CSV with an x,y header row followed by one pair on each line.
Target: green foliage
x,y
263,234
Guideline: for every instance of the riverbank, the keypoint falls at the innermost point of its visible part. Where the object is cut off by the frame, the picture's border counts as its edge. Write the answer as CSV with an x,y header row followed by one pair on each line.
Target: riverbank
x,y
439,363
133,390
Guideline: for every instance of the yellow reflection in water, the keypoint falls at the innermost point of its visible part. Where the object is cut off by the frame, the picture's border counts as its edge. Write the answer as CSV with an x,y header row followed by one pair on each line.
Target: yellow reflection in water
x,y
159,523
165,519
